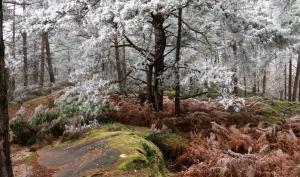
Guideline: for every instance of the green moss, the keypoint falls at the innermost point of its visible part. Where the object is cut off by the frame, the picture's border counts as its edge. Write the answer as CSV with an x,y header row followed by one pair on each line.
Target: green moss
x,y
277,110
170,144
169,93
142,154
139,153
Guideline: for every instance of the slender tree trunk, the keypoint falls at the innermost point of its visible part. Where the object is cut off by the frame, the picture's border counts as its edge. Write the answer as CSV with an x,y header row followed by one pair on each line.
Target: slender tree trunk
x,y
124,66
258,85
25,59
285,82
290,80
160,46
299,92
42,70
265,81
5,160
245,85
35,64
296,79
254,84
118,63
48,57
14,32
235,70
177,76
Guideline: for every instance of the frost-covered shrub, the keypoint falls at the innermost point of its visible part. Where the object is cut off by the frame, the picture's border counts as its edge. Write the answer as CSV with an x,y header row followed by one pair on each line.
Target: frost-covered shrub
x,y
58,127
23,132
42,116
233,104
84,104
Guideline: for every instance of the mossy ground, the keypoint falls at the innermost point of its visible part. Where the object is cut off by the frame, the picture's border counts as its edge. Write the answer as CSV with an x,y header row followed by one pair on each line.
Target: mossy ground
x,y
276,111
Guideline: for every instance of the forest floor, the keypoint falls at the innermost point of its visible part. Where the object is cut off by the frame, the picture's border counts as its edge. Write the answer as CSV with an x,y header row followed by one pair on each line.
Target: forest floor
x,y
262,139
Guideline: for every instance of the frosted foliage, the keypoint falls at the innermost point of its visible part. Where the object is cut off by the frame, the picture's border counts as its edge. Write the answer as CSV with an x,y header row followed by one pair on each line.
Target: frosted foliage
x,y
89,96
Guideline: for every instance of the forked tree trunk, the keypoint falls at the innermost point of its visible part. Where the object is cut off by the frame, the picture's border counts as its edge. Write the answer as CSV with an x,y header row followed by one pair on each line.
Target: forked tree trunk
x,y
5,160
160,46
177,60
296,79
42,70
48,57
290,80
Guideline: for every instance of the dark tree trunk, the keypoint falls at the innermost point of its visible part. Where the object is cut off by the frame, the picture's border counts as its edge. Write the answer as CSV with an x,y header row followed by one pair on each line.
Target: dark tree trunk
x,y
14,32
124,66
254,84
42,70
25,59
265,81
160,46
177,59
299,92
118,63
296,79
149,70
235,70
35,65
5,160
48,56
258,85
285,82
245,85
290,80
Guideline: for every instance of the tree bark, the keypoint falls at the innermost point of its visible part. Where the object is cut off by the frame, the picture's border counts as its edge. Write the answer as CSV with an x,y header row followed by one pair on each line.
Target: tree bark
x,y
285,82
299,92
25,59
48,57
258,85
42,70
124,66
265,81
290,81
5,160
296,79
149,70
160,46
245,85
177,60
254,84
118,62
35,64
235,70
14,32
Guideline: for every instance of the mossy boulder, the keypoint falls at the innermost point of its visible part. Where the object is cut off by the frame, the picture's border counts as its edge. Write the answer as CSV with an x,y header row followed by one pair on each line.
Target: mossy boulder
x,y
122,151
